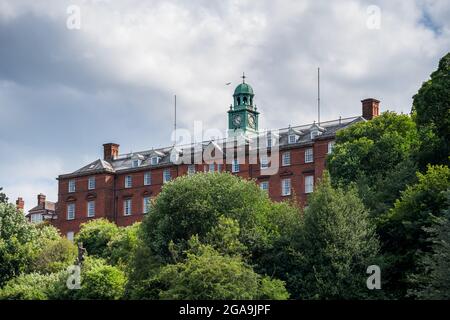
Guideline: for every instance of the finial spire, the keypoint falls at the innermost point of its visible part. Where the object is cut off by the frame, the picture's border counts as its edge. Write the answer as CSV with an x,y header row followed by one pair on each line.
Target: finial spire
x,y
243,77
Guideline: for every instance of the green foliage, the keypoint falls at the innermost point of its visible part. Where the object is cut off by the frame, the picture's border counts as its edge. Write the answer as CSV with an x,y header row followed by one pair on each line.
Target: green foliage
x,y
225,237
377,156
16,242
32,286
433,280
431,109
101,281
95,236
404,225
194,205
206,274
55,256
122,246
338,244
3,197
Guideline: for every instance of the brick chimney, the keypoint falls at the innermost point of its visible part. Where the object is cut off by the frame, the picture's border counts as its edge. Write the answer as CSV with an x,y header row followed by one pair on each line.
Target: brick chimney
x,y
110,151
41,198
370,108
20,204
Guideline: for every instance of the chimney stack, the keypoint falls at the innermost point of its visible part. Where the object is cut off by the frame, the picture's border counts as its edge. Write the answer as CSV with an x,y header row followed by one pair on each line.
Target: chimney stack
x,y
20,204
110,151
41,198
370,108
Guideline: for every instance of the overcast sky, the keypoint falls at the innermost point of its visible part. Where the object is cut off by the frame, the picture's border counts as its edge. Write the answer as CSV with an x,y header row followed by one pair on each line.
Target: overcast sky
x,y
64,92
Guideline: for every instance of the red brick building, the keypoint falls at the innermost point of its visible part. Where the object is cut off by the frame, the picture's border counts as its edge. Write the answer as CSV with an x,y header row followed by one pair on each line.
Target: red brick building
x,y
120,187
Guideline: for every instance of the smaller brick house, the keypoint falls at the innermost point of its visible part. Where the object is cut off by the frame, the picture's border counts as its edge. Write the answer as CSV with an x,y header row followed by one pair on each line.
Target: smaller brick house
x,y
44,210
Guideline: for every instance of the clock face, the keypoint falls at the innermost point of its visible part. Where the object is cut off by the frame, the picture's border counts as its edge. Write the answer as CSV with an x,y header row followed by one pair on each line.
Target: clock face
x,y
251,121
237,120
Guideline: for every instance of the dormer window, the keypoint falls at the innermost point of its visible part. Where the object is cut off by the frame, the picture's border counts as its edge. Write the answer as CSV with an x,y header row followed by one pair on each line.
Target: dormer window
x,y
291,138
135,163
269,141
315,133
154,160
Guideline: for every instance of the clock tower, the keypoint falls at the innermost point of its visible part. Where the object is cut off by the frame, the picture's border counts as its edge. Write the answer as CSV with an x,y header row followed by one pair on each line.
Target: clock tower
x,y
242,116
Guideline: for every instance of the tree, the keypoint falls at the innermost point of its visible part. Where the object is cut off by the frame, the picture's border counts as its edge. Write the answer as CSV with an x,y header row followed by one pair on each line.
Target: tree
x,y
31,286
404,237
431,110
377,155
122,246
3,197
16,242
338,244
99,281
433,282
229,214
95,236
207,275
193,205
55,256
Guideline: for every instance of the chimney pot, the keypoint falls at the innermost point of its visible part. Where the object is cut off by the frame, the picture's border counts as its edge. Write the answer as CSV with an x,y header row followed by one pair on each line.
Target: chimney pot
x,y
41,198
370,108
20,204
110,151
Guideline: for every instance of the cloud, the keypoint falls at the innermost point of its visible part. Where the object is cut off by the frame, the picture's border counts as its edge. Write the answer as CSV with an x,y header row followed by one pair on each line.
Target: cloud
x,y
65,92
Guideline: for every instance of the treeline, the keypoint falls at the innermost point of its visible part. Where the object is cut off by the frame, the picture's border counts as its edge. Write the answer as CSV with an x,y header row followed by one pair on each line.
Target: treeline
x,y
384,201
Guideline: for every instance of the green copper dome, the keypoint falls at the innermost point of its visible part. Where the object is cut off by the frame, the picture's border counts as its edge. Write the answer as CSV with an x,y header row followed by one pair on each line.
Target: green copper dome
x,y
243,88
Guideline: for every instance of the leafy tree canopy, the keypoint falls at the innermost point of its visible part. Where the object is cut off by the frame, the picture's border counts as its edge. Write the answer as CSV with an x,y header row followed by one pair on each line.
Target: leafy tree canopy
x,y
377,156
404,236
338,244
431,110
95,236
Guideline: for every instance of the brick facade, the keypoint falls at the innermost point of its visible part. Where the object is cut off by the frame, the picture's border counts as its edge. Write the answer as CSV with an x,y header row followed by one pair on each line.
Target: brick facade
x,y
110,192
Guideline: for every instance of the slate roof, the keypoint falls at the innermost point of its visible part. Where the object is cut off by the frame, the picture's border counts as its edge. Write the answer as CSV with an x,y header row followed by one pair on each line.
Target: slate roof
x,y
326,129
48,206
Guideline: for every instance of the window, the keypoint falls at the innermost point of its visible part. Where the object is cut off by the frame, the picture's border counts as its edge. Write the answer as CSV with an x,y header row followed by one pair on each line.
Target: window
x,y
71,211
309,184
264,185
72,186
286,159
309,156
91,209
269,141
286,187
36,218
128,181
91,183
69,235
135,163
166,175
154,160
235,166
211,167
127,207
314,134
264,162
191,169
146,204
330,147
147,178
291,138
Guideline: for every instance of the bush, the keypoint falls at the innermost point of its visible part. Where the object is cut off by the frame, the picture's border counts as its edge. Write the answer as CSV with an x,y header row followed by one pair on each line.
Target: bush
x,y
207,275
95,236
32,286
56,256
